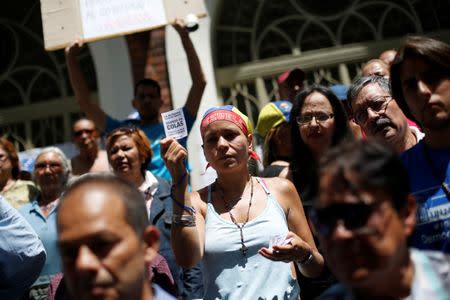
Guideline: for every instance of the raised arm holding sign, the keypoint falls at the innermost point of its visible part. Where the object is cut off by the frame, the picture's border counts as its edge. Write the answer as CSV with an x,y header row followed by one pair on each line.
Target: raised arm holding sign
x,y
147,99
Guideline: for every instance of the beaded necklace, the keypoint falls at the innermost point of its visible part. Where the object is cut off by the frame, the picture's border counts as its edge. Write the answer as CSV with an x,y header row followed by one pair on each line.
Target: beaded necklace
x,y
244,248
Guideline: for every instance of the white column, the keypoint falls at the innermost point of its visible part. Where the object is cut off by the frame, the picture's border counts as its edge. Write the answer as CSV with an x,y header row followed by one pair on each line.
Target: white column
x,y
114,76
180,83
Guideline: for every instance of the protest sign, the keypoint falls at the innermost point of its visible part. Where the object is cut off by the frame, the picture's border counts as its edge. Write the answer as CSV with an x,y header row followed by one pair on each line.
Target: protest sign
x,y
64,21
175,124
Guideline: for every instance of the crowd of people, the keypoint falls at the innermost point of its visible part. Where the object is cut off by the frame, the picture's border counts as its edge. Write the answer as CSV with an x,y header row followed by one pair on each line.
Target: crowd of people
x,y
352,200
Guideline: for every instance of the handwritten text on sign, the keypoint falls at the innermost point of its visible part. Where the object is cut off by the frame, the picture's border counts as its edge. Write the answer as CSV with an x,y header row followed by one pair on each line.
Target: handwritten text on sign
x,y
175,124
103,17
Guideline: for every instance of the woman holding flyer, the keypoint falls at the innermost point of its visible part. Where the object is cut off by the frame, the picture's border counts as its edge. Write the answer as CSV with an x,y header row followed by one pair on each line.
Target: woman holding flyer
x,y
245,230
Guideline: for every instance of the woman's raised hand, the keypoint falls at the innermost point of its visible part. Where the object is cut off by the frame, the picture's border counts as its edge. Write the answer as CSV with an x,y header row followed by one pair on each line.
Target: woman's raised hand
x,y
74,48
180,27
175,157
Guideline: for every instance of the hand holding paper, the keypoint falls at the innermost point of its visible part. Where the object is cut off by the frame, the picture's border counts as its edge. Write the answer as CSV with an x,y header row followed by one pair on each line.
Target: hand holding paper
x,y
287,248
174,156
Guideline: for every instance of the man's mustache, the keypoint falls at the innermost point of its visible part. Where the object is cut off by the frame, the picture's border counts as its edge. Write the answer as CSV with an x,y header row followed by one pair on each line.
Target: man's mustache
x,y
380,124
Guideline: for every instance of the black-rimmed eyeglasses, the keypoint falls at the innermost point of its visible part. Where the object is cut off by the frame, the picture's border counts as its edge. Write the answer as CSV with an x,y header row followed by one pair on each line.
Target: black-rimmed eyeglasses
x,y
319,117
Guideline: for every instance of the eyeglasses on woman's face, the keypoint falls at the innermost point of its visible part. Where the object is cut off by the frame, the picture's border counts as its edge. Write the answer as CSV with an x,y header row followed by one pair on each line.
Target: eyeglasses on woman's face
x,y
308,117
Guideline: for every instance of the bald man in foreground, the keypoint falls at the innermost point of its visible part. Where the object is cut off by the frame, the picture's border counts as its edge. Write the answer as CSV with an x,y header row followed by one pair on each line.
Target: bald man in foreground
x,y
105,241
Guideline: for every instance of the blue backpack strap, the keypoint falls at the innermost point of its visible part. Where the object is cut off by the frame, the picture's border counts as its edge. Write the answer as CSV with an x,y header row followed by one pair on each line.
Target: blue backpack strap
x,y
263,184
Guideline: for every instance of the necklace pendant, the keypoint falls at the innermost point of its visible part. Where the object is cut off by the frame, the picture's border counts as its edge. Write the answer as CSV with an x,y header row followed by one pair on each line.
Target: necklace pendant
x,y
244,250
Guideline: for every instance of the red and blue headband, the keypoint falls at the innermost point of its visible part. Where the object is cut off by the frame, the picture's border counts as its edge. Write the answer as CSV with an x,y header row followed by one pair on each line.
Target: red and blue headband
x,y
231,114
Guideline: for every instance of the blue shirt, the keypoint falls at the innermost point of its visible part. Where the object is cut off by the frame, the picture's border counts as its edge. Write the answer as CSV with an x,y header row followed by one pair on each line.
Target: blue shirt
x,y
433,212
154,132
46,230
22,254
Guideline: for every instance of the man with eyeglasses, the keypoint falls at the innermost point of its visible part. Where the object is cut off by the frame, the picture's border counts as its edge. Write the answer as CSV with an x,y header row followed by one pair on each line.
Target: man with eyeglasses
x,y
90,158
363,217
377,112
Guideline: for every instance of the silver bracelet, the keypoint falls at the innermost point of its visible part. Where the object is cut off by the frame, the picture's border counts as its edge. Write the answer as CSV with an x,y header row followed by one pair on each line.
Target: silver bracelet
x,y
183,220
307,260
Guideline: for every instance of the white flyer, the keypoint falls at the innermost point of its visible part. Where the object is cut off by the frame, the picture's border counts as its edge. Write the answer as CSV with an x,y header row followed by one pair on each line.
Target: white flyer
x,y
174,124
279,240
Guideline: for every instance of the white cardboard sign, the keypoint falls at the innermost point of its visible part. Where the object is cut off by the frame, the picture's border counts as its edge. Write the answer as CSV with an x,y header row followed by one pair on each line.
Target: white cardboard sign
x,y
175,124
102,17
64,21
